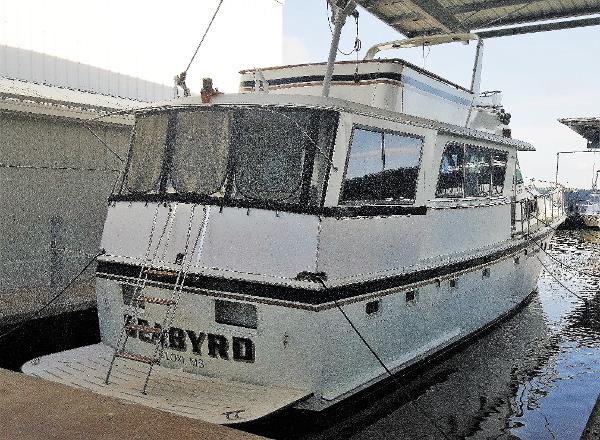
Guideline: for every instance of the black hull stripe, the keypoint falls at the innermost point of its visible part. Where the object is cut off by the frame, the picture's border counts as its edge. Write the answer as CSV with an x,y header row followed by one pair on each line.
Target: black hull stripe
x,y
324,211
304,296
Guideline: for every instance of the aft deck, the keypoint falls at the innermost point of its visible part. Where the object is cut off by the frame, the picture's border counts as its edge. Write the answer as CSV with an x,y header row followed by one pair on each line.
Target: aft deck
x,y
198,397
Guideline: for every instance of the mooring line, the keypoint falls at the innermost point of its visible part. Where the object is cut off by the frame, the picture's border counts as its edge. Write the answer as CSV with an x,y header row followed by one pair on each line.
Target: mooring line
x,y
400,386
54,298
560,282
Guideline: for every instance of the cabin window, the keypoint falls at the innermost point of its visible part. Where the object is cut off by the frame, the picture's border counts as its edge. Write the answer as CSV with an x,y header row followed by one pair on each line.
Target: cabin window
x,y
272,156
147,154
236,313
499,160
477,172
469,171
382,167
129,292
260,155
450,182
200,152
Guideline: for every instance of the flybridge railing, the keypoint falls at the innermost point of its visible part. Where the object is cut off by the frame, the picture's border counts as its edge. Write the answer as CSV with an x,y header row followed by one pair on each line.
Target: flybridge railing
x,y
532,214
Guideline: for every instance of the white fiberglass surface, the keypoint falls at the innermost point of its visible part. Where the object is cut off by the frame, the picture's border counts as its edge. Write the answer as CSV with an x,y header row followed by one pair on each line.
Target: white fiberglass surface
x,y
239,240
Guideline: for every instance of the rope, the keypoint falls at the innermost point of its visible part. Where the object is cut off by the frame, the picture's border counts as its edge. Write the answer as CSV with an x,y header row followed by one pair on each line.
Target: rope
x,y
400,386
556,259
357,43
203,36
594,275
560,282
104,143
54,298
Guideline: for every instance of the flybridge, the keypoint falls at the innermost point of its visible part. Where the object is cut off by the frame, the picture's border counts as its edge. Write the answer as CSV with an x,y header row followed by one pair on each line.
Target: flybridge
x,y
389,84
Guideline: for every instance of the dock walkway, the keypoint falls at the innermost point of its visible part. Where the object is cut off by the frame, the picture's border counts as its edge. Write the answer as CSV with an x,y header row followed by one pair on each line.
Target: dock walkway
x,y
33,409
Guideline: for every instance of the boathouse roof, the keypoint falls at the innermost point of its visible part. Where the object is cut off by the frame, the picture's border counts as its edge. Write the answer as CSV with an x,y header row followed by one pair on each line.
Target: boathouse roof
x,y
589,128
487,18
30,97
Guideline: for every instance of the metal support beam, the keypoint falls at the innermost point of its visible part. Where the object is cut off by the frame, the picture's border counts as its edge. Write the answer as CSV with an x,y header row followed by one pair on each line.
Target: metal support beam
x,y
341,10
570,152
401,18
487,5
512,19
433,10
476,78
567,24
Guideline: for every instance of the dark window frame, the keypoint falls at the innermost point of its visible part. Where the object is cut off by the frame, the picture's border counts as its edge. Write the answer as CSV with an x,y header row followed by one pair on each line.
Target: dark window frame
x,y
224,321
308,166
381,131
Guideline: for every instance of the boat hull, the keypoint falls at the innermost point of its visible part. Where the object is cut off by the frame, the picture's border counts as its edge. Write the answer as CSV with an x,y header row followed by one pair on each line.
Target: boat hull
x,y
310,353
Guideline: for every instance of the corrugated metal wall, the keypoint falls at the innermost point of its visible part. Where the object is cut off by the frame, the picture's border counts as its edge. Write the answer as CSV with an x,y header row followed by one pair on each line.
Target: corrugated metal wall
x,y
55,178
46,69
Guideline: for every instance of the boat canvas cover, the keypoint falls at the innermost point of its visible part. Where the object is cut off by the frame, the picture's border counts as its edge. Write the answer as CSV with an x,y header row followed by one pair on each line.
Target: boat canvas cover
x,y
190,395
489,18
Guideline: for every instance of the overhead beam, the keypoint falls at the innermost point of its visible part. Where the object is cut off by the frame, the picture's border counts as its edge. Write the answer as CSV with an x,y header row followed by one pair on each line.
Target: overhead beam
x,y
401,18
520,30
533,17
421,32
489,4
435,11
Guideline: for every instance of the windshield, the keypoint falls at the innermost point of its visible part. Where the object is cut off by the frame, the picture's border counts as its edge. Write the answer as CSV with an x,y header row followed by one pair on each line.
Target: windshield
x,y
237,153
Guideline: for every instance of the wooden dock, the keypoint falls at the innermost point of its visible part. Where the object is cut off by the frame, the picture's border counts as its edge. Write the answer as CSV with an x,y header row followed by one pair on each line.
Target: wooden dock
x,y
33,409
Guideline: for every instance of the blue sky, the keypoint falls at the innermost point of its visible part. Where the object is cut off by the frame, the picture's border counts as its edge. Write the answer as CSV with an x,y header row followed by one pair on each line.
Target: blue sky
x,y
543,77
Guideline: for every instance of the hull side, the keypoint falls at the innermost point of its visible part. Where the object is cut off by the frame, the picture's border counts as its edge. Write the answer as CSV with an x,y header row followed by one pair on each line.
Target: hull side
x,y
312,347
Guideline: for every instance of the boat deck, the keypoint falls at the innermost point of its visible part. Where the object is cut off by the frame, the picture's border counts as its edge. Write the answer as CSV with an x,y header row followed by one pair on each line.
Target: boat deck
x,y
32,409
199,397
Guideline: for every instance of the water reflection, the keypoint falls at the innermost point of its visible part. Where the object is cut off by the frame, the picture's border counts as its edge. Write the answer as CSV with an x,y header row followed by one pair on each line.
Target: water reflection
x,y
535,376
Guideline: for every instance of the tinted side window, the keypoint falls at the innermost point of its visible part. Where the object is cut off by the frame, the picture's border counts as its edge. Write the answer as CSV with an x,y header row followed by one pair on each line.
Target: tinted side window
x,y
402,155
469,171
450,182
382,167
477,172
499,159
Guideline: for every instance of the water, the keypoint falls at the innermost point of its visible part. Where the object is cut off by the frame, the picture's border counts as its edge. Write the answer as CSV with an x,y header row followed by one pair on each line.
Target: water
x,y
21,343
535,376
